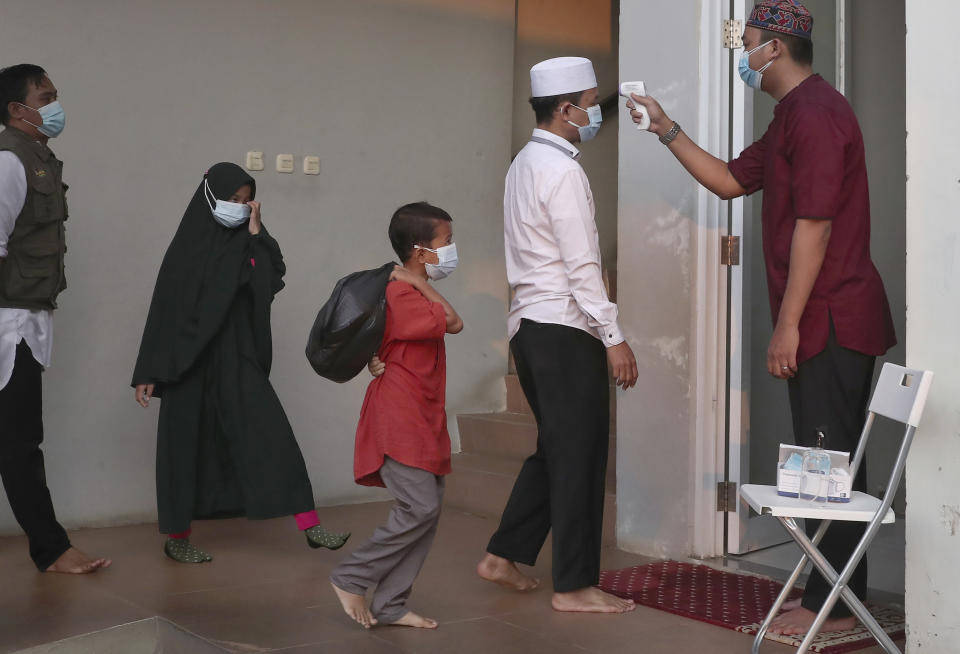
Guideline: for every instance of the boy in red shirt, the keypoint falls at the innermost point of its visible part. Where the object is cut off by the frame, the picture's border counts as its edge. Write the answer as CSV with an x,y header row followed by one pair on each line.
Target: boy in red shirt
x,y
402,441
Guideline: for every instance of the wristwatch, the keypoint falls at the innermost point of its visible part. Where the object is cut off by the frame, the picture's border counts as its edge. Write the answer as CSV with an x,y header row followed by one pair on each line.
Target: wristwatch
x,y
667,138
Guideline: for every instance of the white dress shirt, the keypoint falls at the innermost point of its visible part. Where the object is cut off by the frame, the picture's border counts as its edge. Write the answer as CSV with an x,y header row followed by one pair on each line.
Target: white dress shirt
x,y
35,327
551,242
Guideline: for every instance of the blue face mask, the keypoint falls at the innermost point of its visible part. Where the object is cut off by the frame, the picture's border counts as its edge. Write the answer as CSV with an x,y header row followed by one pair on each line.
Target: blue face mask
x,y
751,77
51,119
228,214
589,130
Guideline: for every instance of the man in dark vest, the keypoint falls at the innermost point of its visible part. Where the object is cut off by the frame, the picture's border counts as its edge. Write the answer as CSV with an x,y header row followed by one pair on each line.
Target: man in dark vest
x,y
32,246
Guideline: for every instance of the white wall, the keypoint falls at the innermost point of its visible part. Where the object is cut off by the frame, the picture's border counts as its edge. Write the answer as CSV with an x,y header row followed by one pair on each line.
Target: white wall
x,y
933,313
402,99
659,217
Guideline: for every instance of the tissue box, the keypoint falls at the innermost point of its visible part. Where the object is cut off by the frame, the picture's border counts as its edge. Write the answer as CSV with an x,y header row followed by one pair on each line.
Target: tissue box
x,y
789,471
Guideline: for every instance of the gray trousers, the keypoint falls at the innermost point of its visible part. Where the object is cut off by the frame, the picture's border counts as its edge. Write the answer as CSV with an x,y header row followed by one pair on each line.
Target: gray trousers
x,y
392,558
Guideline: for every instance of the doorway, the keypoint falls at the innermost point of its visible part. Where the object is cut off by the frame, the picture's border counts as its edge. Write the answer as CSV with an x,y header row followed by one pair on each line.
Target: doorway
x,y
859,47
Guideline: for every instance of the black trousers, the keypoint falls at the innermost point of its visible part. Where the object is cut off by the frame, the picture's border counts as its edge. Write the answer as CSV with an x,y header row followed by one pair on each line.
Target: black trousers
x,y
832,390
21,461
563,373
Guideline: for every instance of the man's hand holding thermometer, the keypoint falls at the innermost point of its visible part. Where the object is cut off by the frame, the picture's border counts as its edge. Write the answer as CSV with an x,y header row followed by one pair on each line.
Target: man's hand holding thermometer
x,y
638,89
647,112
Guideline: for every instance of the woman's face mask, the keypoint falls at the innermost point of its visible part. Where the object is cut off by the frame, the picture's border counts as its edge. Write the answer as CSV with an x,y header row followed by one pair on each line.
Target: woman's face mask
x,y
589,130
228,214
446,261
751,77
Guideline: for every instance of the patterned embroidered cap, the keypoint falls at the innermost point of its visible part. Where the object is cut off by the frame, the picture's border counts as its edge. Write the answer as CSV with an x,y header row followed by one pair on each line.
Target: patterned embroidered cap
x,y
784,16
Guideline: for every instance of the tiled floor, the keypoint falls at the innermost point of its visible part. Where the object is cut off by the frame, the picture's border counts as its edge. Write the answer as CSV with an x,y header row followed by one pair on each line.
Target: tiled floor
x,y
267,591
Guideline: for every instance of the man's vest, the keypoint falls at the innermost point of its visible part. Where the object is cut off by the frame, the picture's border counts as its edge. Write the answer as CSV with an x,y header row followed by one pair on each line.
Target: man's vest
x,y
32,275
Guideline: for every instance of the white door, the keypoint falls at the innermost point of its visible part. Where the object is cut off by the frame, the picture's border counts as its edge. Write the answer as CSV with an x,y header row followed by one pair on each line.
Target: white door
x,y
758,411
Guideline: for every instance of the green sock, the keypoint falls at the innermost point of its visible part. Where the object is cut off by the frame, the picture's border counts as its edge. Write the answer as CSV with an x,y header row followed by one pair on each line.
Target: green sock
x,y
182,550
319,537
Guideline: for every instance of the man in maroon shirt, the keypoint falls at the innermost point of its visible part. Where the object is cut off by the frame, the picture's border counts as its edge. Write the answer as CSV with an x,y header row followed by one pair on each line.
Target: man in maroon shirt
x,y
830,311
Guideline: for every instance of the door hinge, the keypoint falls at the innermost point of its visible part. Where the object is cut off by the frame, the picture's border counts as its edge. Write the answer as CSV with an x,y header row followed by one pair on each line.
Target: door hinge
x,y
726,496
730,250
732,33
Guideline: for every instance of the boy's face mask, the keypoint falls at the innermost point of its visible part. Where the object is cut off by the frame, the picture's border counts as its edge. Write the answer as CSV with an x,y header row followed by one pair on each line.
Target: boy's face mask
x,y
446,261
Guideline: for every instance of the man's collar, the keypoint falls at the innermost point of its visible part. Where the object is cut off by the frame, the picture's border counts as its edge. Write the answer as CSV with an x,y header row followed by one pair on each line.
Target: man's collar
x,y
558,140
18,133
797,91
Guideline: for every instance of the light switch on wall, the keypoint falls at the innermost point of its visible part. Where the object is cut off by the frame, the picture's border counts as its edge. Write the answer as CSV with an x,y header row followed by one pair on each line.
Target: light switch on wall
x,y
311,165
284,163
254,160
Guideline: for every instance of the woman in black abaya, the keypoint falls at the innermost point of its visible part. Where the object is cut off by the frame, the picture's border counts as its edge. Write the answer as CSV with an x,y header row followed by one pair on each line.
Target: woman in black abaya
x,y
224,445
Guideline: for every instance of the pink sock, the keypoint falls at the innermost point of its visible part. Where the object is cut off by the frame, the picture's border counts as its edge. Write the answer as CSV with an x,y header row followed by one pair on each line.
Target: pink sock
x,y
182,534
306,520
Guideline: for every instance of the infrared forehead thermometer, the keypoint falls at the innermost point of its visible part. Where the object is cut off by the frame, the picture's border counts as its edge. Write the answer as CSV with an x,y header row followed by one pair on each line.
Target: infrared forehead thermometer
x,y
637,88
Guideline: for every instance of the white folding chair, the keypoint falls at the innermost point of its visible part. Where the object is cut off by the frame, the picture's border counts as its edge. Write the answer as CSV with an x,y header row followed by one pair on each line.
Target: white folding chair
x,y
899,395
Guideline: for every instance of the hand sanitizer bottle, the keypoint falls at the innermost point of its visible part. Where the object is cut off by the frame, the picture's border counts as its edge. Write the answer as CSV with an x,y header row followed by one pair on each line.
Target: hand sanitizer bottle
x,y
815,474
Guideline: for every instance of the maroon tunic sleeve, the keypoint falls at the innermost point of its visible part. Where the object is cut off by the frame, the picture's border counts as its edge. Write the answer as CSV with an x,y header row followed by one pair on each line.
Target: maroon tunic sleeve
x,y
414,317
815,149
748,168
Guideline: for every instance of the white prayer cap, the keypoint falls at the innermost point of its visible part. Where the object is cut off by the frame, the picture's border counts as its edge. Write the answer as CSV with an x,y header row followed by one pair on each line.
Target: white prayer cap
x,y
561,75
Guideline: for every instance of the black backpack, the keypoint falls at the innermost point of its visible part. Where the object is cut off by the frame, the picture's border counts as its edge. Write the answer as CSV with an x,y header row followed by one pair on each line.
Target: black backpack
x,y
349,328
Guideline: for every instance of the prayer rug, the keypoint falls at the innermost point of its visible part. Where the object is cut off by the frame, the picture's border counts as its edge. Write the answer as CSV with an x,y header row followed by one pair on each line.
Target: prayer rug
x,y
734,601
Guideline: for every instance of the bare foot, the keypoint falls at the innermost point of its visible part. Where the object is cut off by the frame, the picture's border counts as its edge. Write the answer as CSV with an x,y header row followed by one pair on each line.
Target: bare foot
x,y
790,605
798,621
411,619
591,600
506,573
355,606
75,562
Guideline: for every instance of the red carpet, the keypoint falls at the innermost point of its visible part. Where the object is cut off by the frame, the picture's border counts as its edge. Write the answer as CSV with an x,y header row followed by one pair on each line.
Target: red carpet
x,y
730,600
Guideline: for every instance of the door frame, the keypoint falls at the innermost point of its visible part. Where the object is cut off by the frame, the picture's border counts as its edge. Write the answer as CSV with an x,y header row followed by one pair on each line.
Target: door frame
x,y
709,328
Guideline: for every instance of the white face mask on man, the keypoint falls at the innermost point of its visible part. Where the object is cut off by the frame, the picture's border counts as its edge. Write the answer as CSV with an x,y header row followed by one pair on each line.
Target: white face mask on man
x,y
447,261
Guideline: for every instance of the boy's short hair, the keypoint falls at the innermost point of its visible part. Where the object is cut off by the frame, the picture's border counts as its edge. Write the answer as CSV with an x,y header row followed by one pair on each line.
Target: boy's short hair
x,y
14,86
414,224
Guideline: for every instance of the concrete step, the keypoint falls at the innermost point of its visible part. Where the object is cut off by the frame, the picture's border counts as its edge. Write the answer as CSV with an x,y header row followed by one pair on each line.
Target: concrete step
x,y
481,484
513,436
500,434
517,401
